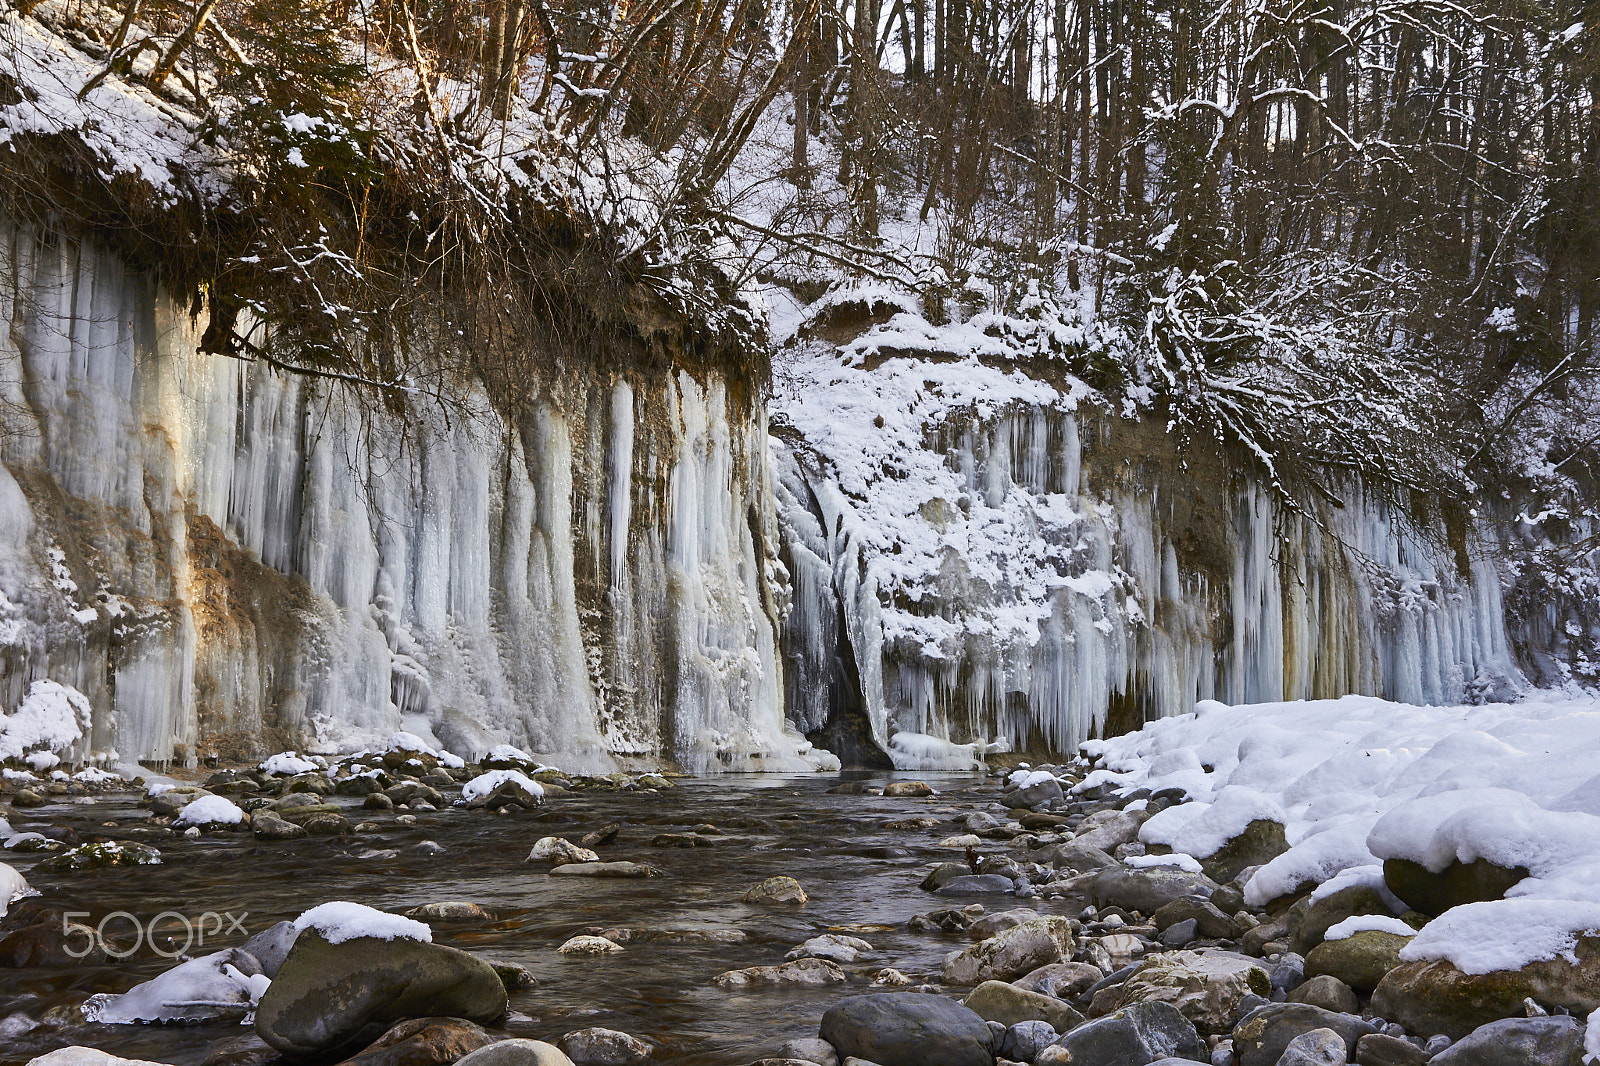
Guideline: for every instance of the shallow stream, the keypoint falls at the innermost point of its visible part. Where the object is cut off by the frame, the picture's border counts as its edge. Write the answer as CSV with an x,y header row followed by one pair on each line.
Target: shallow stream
x,y
862,879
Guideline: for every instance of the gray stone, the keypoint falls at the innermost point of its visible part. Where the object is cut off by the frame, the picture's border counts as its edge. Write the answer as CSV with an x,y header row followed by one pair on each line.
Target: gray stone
x,y
1064,980
997,1001
1309,920
1319,1047
1262,1035
908,1029
1381,1049
1326,992
1289,972
517,1053
799,972
1205,986
809,1049
1025,1040
1554,1041
990,924
271,946
1210,922
777,890
1012,953
604,869
1080,858
1133,1036
1146,890
1044,794
604,1047
269,826
330,998
1180,934
1107,832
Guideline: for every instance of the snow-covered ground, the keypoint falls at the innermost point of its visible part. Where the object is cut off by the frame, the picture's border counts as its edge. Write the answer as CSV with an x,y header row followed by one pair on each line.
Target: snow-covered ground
x,y
1359,780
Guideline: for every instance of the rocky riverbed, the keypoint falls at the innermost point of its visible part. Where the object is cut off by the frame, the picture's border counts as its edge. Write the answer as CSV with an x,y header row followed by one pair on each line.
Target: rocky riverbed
x,y
406,910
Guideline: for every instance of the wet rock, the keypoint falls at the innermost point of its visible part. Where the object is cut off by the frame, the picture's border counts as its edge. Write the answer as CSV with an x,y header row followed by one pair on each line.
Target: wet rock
x,y
1044,793
453,910
327,824
558,850
423,1042
329,998
1140,1033
914,789
604,1047
247,1050
271,946
377,801
1360,960
1205,986
1310,920
1556,1041
990,924
1254,941
1327,992
943,874
606,834
163,805
1289,972
908,1029
798,972
776,890
1261,841
27,798
1460,882
1012,953
949,920
588,945
1262,1035
1146,890
1319,1047
603,869
997,1001
267,825
1180,934
1381,1049
101,855
832,946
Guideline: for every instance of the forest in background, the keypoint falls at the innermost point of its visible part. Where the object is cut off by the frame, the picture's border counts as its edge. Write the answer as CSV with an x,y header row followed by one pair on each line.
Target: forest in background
x,y
1349,240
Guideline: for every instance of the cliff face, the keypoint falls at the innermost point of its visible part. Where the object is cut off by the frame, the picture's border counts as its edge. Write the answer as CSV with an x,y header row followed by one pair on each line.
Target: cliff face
x,y
229,559
1001,560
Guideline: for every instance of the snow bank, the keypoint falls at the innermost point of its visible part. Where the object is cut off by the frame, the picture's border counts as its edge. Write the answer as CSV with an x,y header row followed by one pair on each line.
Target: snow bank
x,y
1505,934
919,751
12,886
484,784
208,810
1359,780
507,753
52,716
340,921
288,763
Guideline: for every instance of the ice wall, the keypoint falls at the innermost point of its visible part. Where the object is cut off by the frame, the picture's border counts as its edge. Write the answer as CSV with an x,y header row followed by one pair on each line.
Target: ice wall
x,y
1013,570
230,560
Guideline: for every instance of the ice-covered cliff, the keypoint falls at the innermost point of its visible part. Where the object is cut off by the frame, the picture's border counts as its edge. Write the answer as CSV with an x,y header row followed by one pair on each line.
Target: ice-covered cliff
x,y
227,559
1000,559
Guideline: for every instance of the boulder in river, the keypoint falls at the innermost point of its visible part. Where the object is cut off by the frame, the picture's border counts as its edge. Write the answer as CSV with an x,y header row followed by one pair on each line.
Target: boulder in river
x,y
604,1047
334,997
777,890
588,945
558,850
798,972
621,868
915,789
908,1029
1013,952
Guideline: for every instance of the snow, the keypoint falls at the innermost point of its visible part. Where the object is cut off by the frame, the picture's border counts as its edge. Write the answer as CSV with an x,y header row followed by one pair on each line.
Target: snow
x,y
210,809
1029,778
1177,860
1504,934
507,753
1358,780
484,784
919,751
198,990
340,921
12,886
288,763
52,716
1591,1039
1361,923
